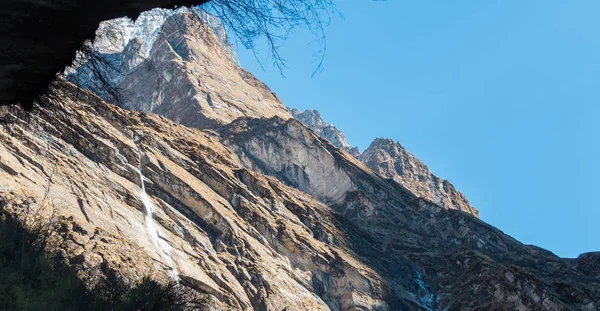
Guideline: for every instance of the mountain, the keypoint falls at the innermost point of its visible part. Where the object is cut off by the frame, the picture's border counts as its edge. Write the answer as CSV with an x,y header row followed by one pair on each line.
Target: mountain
x,y
390,160
113,35
111,66
204,177
188,74
263,214
210,90
190,78
146,196
314,121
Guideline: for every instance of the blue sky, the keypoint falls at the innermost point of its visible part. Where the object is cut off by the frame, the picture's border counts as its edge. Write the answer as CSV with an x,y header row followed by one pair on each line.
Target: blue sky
x,y
502,98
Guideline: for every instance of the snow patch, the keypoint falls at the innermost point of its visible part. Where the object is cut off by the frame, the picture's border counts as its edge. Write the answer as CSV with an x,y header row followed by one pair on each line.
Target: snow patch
x,y
113,35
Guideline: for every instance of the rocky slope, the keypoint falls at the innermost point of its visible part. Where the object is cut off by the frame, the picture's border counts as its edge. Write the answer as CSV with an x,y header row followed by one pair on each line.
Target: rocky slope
x,y
179,64
188,74
390,160
252,207
245,239
452,260
146,196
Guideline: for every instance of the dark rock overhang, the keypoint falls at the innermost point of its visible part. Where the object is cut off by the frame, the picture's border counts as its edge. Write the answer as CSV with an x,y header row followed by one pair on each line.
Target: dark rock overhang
x,y
40,38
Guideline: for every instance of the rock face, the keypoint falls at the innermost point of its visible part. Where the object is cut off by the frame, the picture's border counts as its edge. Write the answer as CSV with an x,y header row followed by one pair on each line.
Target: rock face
x,y
179,64
113,35
190,78
254,208
390,160
111,65
247,240
337,237
313,120
190,74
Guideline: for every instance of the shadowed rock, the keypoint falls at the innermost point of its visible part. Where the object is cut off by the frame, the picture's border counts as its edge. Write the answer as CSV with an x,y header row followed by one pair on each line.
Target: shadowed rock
x,y
40,38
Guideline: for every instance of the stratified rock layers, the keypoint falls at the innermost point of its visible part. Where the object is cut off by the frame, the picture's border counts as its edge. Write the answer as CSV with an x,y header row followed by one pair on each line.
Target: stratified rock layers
x,y
175,65
253,208
253,243
390,160
189,75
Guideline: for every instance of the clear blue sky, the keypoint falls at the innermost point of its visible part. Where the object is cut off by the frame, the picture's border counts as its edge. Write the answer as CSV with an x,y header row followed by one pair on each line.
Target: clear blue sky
x,y
502,98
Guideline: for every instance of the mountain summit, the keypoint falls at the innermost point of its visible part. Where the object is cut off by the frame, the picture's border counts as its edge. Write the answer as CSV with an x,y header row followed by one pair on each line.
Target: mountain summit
x,y
176,65
390,160
187,73
314,121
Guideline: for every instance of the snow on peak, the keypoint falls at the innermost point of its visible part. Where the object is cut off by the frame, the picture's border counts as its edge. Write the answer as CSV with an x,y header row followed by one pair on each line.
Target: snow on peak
x,y
113,35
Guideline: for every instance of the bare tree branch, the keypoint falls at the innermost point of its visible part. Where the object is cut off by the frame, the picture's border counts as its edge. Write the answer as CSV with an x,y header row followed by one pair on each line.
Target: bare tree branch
x,y
274,20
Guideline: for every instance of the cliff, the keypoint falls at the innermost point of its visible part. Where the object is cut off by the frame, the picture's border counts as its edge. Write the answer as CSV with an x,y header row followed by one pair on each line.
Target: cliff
x,y
205,178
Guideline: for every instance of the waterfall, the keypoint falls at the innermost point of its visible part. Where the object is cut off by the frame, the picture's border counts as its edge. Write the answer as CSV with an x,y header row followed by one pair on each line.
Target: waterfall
x,y
151,227
428,299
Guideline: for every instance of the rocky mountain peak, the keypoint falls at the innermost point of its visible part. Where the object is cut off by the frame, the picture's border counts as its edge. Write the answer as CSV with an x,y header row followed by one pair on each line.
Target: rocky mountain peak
x,y
313,120
391,160
187,74
263,214
386,144
310,117
112,36
207,176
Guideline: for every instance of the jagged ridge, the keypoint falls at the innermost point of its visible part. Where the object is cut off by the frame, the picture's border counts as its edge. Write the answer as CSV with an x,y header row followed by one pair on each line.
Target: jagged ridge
x,y
188,79
390,160
259,211
251,242
313,120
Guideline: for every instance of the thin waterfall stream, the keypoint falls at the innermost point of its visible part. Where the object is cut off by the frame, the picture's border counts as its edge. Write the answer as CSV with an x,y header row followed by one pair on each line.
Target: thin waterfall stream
x,y
151,227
